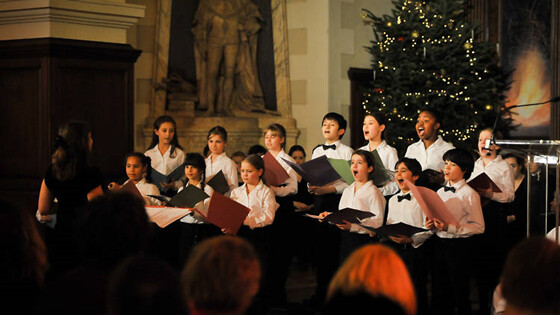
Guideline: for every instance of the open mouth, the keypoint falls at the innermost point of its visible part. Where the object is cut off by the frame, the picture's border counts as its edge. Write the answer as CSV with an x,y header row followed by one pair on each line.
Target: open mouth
x,y
421,131
400,181
355,173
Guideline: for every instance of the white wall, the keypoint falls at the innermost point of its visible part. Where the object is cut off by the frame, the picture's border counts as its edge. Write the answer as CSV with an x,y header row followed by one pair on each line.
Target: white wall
x,y
326,38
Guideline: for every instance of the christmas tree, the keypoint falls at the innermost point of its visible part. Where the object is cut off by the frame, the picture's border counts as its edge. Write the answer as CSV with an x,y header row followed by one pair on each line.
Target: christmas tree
x,y
426,56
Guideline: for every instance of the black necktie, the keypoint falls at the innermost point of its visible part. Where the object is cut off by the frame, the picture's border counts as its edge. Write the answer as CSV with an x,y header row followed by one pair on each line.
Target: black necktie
x,y
326,147
446,188
400,198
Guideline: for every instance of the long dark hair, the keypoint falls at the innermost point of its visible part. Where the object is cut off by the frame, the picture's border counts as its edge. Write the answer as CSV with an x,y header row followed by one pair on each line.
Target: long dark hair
x,y
71,150
145,161
155,139
197,161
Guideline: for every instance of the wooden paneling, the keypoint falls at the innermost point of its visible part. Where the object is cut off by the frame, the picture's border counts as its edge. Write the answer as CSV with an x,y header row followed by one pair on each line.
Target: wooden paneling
x,y
45,82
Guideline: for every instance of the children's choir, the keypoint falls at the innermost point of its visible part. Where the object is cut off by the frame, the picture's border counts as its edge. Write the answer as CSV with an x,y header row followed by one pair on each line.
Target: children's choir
x,y
446,253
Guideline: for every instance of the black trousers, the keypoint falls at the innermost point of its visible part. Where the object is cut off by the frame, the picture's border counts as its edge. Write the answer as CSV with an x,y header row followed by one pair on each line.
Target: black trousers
x,y
451,276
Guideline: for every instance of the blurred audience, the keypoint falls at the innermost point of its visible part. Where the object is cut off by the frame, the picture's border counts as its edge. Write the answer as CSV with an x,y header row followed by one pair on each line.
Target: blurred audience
x,y
221,276
376,270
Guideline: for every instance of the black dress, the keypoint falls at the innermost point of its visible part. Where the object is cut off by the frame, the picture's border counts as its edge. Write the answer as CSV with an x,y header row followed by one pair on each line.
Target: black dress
x,y
72,199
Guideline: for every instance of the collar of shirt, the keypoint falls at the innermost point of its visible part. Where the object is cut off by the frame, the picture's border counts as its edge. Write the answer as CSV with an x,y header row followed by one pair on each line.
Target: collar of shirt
x,y
480,162
197,186
439,142
458,184
156,149
141,182
218,158
259,186
364,186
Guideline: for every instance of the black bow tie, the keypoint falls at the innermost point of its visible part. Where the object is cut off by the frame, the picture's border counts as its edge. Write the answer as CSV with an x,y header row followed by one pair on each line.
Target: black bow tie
x,y
400,198
326,147
446,188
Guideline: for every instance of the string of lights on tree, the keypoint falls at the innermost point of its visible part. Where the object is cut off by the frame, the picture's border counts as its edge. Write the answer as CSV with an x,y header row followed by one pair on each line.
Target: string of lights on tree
x,y
426,56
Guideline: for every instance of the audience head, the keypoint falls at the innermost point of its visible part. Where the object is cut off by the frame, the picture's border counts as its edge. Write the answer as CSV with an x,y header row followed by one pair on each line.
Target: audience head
x,y
356,303
144,285
297,152
116,226
72,147
221,276
531,278
257,149
377,270
23,250
333,126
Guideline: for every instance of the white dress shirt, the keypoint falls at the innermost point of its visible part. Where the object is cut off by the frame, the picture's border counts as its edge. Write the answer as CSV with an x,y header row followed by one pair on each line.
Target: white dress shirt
x,y
409,212
464,205
196,218
291,187
368,198
389,157
146,189
261,201
226,165
501,174
432,157
166,163
341,152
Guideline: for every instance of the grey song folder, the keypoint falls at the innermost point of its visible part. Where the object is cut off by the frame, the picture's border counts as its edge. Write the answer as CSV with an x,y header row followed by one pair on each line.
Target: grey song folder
x,y
219,183
317,172
158,178
395,229
348,214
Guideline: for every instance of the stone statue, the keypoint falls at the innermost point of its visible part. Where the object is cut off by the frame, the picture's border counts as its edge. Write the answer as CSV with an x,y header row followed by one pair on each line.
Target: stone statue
x,y
225,33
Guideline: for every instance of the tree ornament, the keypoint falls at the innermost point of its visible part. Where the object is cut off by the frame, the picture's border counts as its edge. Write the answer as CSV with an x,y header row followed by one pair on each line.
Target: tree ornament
x,y
468,45
415,34
389,24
